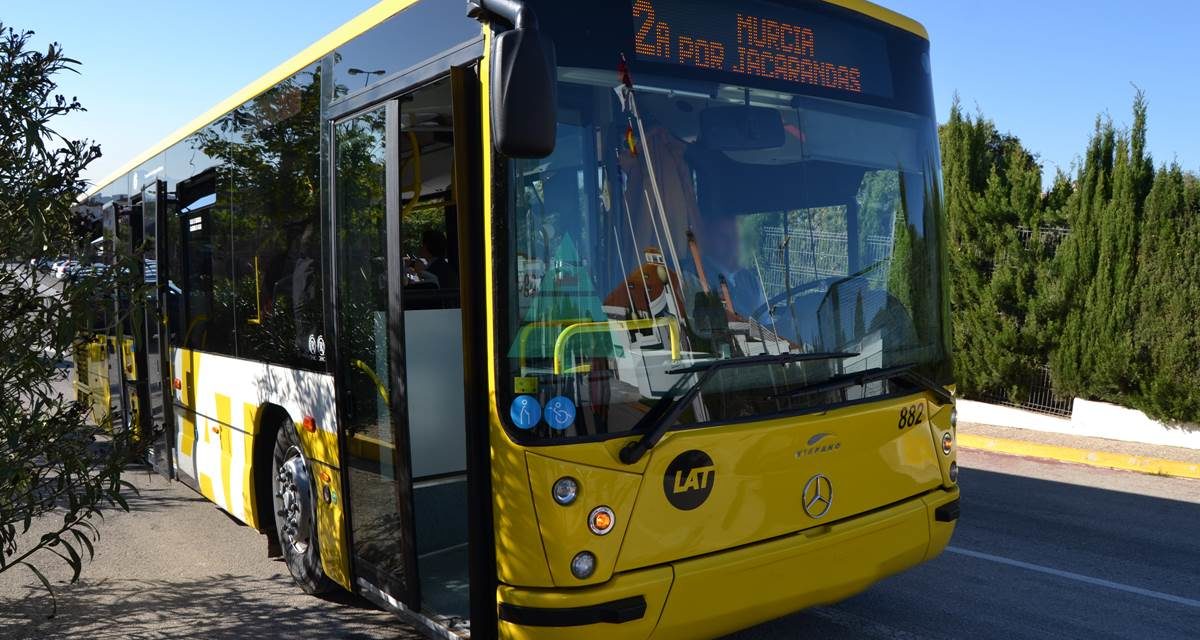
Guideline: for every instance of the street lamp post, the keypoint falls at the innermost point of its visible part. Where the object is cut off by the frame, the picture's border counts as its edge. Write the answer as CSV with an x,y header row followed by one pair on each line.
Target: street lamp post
x,y
355,71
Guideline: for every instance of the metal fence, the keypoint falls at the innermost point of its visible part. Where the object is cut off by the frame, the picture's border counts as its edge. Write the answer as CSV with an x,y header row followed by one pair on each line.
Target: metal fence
x,y
1040,397
814,254
1050,237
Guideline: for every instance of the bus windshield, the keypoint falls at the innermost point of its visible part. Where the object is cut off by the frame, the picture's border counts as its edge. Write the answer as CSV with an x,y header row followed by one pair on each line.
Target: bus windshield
x,y
685,218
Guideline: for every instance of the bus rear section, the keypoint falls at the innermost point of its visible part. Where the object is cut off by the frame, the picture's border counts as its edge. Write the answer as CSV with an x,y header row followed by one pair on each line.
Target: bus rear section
x,y
723,343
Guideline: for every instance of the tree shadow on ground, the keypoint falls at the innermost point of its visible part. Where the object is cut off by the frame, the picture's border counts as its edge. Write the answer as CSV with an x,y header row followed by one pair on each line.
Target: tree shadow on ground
x,y
224,606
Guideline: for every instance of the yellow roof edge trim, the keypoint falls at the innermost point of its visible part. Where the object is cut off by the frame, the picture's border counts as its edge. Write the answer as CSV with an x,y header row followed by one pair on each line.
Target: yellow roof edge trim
x,y
343,34
883,14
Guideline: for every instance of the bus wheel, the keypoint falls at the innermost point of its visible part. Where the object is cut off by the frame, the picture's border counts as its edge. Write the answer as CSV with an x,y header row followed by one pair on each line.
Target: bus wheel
x,y
295,512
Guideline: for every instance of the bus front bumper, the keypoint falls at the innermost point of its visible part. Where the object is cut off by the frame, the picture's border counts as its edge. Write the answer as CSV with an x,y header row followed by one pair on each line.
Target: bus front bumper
x,y
716,594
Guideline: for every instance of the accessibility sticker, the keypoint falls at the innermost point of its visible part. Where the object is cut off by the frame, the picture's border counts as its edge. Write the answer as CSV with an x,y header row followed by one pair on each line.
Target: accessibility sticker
x,y
525,412
560,413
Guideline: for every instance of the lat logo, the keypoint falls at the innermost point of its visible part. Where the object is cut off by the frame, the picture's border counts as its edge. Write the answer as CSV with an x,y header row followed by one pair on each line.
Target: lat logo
x,y
697,479
689,479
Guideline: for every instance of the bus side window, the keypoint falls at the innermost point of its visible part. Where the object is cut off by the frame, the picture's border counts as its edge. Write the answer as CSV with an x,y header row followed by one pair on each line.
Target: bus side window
x,y
276,246
207,271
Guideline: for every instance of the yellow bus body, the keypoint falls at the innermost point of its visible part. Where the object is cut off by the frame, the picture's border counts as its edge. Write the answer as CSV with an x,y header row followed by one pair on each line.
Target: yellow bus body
x,y
92,359
697,581
90,375
697,576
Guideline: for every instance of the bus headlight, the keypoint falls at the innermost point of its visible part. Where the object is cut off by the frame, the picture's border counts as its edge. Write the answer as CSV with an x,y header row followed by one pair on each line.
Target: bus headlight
x,y
953,417
565,490
583,565
954,472
601,520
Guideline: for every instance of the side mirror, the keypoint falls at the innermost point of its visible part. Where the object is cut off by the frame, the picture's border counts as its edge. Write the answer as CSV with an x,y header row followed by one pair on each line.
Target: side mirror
x,y
524,94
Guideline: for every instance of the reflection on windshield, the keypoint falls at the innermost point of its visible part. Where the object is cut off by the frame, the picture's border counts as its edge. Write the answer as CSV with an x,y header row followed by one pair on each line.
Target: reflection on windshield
x,y
678,223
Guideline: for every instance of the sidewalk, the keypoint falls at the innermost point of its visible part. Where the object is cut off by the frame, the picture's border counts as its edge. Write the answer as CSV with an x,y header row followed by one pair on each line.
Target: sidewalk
x,y
1096,452
178,567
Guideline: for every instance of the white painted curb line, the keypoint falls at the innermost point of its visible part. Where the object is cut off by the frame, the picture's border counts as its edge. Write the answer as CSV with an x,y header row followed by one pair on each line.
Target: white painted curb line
x,y
1088,419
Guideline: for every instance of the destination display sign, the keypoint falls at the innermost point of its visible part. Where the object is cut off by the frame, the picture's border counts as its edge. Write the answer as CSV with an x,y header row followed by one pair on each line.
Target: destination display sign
x,y
763,40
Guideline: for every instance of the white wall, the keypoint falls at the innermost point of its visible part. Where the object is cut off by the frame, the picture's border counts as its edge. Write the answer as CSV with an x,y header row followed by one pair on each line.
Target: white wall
x,y
1089,419
1104,420
1001,416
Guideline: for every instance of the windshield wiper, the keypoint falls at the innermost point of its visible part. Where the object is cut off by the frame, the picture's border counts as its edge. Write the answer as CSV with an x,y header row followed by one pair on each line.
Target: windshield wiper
x,y
668,408
905,372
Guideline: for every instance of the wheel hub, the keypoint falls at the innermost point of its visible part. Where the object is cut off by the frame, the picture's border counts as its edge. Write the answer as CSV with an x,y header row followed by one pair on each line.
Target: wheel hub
x,y
294,499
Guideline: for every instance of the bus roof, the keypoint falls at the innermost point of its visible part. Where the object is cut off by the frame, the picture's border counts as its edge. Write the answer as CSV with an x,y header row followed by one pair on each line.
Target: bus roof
x,y
884,14
359,25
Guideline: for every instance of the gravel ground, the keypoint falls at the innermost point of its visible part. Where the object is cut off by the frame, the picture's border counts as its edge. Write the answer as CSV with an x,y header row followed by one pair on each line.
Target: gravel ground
x,y
1079,442
178,567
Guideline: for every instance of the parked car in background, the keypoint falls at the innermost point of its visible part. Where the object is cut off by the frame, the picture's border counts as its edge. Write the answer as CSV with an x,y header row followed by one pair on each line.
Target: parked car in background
x,y
45,263
64,268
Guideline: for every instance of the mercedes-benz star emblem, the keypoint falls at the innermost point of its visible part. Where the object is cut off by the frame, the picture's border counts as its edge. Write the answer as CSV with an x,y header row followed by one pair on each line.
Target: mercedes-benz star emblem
x,y
818,496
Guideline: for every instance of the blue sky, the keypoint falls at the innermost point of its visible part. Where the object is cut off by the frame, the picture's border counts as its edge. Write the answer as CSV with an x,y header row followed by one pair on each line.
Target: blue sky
x,y
1044,69
1041,69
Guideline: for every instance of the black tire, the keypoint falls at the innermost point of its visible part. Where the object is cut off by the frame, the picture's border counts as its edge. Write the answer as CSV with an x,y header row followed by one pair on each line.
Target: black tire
x,y
296,531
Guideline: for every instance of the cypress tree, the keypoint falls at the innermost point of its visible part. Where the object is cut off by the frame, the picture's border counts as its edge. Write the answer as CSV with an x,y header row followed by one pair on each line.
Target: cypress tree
x,y
1113,308
1099,263
1167,342
1077,259
993,187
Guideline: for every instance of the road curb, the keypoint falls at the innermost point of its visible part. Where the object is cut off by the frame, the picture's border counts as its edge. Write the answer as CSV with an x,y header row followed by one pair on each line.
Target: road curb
x,y
1123,462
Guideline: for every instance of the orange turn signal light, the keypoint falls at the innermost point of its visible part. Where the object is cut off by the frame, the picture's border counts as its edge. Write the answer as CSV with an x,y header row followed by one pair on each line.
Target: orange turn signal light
x,y
601,520
310,424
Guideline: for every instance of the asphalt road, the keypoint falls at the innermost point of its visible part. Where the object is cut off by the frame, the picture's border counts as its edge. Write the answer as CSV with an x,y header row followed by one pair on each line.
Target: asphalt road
x,y
1043,550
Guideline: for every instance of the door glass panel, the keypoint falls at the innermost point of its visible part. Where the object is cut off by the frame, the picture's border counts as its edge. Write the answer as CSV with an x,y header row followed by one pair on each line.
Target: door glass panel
x,y
361,187
433,349
153,320
123,374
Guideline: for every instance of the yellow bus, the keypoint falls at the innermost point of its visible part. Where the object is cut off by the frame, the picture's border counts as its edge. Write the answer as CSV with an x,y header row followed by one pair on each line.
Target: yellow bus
x,y
537,319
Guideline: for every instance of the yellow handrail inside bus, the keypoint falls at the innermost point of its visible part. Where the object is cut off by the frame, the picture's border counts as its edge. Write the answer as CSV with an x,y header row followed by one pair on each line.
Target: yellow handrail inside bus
x,y
257,319
187,335
383,392
416,158
560,345
523,337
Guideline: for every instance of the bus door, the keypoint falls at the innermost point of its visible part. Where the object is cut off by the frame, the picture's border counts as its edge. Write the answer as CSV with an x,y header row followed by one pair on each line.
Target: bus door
x,y
184,242
128,364
400,351
376,449
157,416
118,401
